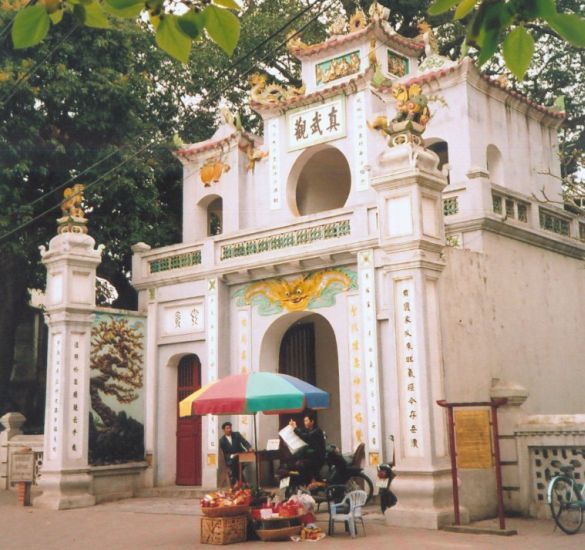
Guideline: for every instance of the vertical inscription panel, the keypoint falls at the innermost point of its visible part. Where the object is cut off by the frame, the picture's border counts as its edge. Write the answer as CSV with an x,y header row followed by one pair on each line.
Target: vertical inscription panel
x,y
56,366
77,386
408,369
367,292
212,357
244,362
358,400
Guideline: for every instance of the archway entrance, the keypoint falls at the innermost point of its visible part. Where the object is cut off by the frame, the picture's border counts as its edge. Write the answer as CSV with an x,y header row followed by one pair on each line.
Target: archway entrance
x,y
308,350
188,428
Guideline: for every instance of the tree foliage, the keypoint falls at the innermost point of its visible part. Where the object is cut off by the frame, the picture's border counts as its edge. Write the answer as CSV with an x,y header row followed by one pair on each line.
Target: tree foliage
x,y
105,94
490,24
177,25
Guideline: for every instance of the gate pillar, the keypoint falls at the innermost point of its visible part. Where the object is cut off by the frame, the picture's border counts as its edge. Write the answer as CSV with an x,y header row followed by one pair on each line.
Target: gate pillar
x,y
71,263
412,237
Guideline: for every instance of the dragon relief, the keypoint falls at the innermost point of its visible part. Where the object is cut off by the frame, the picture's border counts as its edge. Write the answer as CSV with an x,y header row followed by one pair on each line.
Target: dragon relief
x,y
272,94
300,293
253,155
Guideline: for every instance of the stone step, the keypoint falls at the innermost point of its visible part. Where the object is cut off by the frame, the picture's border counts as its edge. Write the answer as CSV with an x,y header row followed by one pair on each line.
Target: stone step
x,y
174,491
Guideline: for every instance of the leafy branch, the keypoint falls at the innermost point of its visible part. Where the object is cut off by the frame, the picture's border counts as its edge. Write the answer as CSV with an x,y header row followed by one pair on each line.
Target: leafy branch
x,y
491,23
177,25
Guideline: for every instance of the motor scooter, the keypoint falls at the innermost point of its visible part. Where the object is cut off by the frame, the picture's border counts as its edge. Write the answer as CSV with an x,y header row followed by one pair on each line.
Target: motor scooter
x,y
385,477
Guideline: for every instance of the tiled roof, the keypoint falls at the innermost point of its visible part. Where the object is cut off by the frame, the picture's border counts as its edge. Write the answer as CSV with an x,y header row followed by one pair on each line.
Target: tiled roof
x,y
299,101
415,46
435,75
210,144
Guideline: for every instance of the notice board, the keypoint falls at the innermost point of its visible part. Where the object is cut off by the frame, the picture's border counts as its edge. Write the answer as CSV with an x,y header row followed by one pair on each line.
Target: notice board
x,y
473,439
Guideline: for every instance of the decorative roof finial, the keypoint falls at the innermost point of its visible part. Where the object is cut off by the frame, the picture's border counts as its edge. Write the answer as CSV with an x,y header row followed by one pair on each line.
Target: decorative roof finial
x,y
357,21
73,218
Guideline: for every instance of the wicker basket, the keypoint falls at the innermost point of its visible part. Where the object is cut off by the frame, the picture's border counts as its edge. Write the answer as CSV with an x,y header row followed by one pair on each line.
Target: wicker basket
x,y
285,533
225,511
221,531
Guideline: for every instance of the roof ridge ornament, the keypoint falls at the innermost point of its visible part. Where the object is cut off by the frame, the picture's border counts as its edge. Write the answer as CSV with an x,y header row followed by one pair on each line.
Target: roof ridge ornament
x,y
73,218
433,59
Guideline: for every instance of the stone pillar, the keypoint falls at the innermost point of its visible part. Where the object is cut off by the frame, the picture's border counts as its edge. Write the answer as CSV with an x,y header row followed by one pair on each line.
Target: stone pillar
x,y
409,187
12,423
71,263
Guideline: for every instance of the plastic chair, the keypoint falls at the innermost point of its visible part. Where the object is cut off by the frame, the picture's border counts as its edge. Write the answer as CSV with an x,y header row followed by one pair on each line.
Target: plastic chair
x,y
356,500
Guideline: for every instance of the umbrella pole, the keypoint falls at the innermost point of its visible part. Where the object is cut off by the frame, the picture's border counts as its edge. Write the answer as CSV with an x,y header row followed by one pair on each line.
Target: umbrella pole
x,y
256,451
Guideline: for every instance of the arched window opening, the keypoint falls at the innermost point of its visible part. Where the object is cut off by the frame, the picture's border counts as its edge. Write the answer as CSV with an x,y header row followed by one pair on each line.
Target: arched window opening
x,y
441,148
319,181
215,217
495,165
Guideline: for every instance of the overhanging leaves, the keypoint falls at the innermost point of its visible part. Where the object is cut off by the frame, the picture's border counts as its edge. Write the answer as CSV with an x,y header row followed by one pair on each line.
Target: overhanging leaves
x,y
128,9
192,24
571,27
518,49
223,27
30,26
172,39
441,6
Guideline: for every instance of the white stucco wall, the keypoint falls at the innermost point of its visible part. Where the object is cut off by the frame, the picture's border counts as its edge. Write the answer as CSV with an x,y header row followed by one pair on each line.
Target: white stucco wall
x,y
516,313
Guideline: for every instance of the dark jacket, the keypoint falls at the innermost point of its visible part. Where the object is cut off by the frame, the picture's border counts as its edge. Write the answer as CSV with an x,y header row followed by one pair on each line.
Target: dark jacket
x,y
315,439
239,444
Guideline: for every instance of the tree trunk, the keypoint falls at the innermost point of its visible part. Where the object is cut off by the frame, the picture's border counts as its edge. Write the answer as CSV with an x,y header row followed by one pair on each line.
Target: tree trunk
x,y
13,299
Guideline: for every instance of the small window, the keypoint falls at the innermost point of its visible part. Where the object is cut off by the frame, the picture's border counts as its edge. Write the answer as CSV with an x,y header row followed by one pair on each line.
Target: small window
x,y
495,165
215,217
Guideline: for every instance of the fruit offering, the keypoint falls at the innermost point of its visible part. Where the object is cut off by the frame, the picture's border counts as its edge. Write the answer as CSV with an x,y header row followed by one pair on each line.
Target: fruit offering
x,y
311,533
234,497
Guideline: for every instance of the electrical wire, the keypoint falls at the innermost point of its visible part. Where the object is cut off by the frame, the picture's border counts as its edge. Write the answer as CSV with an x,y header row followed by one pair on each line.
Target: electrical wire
x,y
148,145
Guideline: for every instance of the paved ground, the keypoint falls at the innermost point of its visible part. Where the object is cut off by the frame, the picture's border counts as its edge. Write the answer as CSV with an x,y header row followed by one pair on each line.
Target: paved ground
x,y
158,523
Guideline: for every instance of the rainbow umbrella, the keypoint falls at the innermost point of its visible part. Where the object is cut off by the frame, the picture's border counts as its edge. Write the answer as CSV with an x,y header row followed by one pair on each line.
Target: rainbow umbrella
x,y
255,392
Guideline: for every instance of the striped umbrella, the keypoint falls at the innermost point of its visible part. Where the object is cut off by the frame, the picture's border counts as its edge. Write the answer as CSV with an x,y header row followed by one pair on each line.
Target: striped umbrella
x,y
254,392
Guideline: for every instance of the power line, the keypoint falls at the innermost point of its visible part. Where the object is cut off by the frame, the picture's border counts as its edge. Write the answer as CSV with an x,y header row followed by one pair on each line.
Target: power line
x,y
147,146
270,37
232,66
22,78
11,22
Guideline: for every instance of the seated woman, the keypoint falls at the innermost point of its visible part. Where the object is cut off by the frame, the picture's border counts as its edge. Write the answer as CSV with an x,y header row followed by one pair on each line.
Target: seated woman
x,y
311,458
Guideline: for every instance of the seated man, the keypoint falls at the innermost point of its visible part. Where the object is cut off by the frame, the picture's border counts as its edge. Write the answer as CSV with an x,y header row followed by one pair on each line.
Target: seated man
x,y
311,457
232,443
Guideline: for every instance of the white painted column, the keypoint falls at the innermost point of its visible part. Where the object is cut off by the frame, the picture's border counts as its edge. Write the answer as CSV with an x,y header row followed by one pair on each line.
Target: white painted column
x,y
71,263
409,189
367,290
211,420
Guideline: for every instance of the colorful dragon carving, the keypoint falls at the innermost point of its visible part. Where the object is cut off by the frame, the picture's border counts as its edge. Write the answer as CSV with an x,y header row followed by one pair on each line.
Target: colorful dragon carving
x,y
298,294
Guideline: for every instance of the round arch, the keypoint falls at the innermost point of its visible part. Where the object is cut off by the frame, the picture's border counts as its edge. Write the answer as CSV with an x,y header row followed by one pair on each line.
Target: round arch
x,y
319,180
326,364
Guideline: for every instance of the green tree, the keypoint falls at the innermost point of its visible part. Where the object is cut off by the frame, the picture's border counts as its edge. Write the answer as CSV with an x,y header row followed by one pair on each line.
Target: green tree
x,y
104,94
95,98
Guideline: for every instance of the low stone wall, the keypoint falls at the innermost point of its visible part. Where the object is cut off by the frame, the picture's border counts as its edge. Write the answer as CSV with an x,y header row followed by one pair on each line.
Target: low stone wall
x,y
540,440
117,481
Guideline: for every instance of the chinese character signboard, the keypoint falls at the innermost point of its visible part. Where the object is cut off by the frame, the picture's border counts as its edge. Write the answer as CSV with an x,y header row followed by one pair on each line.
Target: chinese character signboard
x,y
397,64
316,124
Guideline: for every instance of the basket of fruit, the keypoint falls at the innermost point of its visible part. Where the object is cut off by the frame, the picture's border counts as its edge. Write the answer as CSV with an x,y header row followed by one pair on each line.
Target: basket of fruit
x,y
224,504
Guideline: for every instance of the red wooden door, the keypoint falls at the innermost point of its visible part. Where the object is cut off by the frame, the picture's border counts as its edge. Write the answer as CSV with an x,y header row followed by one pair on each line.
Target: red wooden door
x,y
189,428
